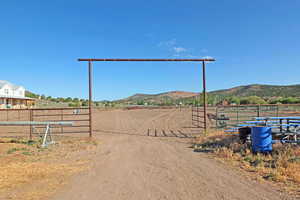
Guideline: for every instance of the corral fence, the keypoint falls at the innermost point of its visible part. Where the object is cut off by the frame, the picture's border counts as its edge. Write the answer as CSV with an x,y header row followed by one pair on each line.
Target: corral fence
x,y
198,116
80,117
230,116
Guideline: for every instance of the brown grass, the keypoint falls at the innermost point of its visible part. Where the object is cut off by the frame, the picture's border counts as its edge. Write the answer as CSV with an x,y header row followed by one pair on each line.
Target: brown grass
x,y
29,172
282,167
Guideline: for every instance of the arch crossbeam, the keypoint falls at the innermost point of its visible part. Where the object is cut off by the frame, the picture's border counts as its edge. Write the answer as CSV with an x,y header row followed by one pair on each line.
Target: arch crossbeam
x,y
90,60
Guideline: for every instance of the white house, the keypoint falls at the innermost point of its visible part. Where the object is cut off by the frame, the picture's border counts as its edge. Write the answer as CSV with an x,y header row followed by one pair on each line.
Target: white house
x,y
13,96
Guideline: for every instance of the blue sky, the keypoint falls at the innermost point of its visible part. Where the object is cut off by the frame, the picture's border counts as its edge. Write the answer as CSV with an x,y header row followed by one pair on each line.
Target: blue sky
x,y
254,41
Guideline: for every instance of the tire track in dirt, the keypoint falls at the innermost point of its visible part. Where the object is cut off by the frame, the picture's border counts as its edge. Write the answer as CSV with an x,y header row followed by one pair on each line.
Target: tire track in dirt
x,y
152,124
131,167
166,125
148,176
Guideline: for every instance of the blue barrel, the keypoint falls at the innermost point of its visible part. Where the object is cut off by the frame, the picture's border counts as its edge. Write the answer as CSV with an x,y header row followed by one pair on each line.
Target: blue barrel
x,y
261,139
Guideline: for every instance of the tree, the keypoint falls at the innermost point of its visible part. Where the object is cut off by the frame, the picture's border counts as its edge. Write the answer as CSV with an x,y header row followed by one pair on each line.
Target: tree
x,y
252,100
74,104
290,100
234,100
69,99
140,102
85,103
275,101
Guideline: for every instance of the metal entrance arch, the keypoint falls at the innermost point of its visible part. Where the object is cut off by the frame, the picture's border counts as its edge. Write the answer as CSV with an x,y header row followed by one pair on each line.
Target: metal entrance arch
x,y
90,60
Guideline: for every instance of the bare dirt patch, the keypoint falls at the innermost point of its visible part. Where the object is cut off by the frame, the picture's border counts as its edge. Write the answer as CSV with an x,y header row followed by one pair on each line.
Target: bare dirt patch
x,y
30,172
132,165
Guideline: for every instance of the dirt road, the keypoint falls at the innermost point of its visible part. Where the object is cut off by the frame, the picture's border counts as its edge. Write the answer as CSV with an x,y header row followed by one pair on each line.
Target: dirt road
x,y
132,165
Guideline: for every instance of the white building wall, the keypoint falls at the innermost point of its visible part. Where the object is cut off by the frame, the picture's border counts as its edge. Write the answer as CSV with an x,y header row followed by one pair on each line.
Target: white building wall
x,y
9,91
6,90
19,92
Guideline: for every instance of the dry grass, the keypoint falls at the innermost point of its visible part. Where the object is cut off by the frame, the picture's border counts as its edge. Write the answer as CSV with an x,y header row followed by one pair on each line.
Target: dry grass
x,y
29,172
282,167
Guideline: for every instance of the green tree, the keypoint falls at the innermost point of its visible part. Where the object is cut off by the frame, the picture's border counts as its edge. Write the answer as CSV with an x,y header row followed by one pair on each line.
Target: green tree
x,y
252,100
74,104
234,100
69,99
140,102
85,103
290,100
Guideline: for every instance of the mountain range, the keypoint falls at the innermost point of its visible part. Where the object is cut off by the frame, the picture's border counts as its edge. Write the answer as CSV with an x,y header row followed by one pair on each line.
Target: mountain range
x,y
241,91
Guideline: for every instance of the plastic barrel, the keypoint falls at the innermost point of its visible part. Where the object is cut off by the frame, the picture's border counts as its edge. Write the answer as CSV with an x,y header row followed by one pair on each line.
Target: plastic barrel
x,y
261,139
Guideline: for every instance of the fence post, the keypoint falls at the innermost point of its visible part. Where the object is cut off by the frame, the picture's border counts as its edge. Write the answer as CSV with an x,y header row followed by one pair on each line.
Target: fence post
x,y
192,115
204,96
90,99
62,118
30,119
237,115
258,111
216,117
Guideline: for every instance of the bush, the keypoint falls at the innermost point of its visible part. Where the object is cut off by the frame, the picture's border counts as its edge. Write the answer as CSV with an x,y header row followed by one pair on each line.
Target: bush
x,y
74,104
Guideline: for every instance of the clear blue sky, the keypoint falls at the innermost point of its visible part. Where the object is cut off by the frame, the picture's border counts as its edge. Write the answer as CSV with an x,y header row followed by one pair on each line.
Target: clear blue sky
x,y
254,41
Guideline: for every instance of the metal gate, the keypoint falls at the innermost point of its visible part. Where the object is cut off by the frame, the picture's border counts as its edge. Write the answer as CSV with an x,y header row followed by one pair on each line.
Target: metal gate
x,y
231,116
80,117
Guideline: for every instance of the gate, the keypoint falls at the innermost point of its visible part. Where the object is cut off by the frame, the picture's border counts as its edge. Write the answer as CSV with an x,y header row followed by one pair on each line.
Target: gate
x,y
198,116
231,116
80,117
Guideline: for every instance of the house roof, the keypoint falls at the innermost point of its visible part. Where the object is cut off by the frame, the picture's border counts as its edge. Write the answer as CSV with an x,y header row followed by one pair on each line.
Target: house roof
x,y
12,97
3,83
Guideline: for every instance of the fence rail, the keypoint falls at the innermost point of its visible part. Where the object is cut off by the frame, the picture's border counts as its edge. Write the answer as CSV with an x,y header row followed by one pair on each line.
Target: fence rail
x,y
198,116
80,117
231,115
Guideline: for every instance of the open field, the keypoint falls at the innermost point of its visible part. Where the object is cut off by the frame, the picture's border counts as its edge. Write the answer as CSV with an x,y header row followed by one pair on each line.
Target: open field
x,y
29,172
131,163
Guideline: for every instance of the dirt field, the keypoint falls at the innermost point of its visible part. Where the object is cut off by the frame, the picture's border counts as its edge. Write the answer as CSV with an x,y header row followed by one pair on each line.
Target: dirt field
x,y
132,165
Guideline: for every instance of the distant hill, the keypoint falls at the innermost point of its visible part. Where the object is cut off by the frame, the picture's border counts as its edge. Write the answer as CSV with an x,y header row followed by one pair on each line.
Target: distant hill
x,y
30,94
175,97
157,98
261,91
240,91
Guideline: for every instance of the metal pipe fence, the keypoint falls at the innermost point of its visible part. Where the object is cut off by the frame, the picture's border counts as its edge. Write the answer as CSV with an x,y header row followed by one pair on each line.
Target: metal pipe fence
x,y
229,116
80,117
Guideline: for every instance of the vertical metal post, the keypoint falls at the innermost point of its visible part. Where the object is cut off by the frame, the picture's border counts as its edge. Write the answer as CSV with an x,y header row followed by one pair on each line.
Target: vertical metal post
x,y
192,115
204,96
237,115
31,119
90,98
217,114
62,118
